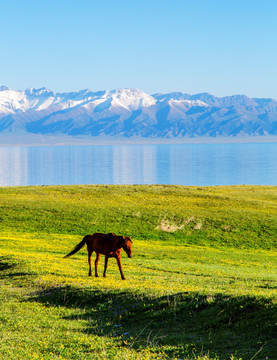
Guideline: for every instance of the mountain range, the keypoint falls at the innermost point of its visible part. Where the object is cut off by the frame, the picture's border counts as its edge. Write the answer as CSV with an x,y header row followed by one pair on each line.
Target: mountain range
x,y
131,112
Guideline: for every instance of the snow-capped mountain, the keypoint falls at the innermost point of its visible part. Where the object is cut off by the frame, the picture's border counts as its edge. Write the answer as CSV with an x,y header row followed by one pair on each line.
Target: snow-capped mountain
x,y
131,112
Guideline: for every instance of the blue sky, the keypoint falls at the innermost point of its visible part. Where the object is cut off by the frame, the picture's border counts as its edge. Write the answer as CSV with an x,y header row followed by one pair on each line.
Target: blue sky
x,y
221,47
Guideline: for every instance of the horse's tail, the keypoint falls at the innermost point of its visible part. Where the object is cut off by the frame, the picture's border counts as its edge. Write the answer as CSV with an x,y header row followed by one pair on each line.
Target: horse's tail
x,y
79,246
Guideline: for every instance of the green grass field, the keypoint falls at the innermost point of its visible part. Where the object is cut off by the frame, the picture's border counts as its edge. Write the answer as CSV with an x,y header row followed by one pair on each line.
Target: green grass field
x,y
201,284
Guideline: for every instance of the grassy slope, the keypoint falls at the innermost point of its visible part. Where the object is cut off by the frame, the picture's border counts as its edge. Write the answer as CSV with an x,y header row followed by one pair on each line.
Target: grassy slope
x,y
202,281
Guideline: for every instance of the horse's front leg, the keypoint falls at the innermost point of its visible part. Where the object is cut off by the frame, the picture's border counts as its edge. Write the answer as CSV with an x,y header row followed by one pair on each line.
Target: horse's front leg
x,y
96,263
106,265
120,267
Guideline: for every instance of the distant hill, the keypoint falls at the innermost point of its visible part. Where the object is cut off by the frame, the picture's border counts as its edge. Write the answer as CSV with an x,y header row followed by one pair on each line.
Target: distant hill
x,y
131,112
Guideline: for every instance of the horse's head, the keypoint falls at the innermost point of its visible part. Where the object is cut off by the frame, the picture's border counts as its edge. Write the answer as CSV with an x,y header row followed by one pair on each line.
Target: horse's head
x,y
127,245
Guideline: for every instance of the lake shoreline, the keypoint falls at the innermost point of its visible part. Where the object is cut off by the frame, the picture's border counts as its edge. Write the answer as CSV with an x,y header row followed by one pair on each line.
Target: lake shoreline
x,y
65,140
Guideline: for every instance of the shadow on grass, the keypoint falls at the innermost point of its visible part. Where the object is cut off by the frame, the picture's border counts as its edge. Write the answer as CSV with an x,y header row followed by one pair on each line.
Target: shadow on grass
x,y
185,324
5,264
8,267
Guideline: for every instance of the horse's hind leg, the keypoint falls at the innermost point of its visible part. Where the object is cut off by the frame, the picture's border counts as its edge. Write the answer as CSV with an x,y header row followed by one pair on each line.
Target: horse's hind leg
x,y
89,261
106,265
96,263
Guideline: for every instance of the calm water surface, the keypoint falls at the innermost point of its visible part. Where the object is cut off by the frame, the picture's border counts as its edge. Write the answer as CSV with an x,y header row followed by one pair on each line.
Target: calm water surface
x,y
186,164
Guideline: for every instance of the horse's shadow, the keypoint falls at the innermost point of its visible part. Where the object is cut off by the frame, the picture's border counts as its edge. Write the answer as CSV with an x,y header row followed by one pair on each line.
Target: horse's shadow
x,y
192,323
186,324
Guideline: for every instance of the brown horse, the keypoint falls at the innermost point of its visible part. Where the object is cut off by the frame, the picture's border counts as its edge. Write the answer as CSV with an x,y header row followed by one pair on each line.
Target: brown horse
x,y
109,245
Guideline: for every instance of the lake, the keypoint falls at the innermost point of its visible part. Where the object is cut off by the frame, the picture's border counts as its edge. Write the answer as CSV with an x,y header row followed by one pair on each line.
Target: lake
x,y
185,164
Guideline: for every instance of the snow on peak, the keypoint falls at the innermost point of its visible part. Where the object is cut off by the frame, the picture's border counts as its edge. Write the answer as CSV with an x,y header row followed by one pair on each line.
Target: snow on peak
x,y
38,92
127,99
131,99
14,101
189,103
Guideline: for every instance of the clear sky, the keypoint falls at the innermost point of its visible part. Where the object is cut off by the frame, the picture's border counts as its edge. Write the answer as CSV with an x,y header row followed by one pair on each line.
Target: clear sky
x,y
223,47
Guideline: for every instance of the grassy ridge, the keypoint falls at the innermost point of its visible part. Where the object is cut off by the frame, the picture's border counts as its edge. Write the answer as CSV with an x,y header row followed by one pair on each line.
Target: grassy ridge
x,y
202,282
242,216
